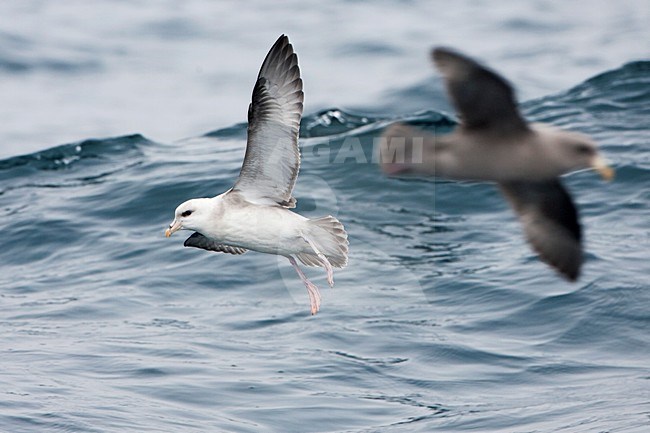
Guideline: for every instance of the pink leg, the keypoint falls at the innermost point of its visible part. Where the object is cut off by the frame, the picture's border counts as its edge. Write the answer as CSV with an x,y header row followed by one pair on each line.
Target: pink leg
x,y
326,263
314,294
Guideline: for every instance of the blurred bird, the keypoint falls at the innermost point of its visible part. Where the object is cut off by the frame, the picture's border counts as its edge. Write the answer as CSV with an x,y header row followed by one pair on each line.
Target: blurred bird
x,y
494,143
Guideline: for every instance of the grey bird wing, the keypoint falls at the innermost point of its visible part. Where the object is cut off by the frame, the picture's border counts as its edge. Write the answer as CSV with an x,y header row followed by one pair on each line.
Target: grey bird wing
x,y
550,222
272,158
483,99
197,240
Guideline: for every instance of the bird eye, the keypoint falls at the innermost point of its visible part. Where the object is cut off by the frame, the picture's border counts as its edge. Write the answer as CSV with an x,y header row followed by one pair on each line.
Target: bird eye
x,y
186,213
584,149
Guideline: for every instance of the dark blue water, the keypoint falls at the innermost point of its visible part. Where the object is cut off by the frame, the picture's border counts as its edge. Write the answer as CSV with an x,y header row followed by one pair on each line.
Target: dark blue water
x,y
443,321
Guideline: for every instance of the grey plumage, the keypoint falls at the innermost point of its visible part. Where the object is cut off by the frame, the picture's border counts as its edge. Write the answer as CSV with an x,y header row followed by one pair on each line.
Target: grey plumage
x,y
272,158
493,142
483,99
550,222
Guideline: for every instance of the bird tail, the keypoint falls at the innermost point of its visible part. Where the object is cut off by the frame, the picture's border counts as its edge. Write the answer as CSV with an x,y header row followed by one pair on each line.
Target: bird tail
x,y
402,149
331,239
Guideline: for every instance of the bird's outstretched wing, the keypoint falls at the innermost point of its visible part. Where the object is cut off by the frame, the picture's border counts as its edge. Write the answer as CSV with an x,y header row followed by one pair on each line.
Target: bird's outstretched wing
x,y
197,240
483,99
550,222
272,159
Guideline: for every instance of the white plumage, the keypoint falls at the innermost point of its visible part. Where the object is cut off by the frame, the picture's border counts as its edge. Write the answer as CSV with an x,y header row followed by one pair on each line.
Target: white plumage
x,y
254,214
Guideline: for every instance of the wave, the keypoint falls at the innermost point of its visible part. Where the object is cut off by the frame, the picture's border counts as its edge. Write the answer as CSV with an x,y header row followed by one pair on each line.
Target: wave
x,y
62,156
72,164
596,103
593,105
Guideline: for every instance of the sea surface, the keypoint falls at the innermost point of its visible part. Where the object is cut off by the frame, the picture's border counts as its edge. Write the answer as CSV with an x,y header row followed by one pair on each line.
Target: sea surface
x,y
444,320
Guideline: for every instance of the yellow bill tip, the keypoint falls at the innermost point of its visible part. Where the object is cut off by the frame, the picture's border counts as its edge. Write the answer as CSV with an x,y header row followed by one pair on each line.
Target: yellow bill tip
x,y
601,165
168,233
606,172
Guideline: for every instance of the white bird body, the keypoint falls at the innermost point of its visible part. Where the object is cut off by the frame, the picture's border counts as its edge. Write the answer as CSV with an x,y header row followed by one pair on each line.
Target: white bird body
x,y
266,229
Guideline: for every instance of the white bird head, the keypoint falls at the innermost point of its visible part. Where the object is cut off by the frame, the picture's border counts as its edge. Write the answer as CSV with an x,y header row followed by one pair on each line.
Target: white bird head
x,y
190,215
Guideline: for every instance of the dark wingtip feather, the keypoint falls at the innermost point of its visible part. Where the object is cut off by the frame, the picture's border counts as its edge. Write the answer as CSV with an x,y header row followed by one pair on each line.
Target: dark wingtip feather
x,y
482,97
551,223
568,269
438,53
570,274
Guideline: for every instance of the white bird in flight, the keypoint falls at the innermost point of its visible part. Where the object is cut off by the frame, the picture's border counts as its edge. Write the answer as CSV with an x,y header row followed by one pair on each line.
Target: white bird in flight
x,y
254,214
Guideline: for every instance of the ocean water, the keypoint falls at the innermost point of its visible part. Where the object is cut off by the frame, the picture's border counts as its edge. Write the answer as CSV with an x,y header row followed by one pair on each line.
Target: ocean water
x,y
444,320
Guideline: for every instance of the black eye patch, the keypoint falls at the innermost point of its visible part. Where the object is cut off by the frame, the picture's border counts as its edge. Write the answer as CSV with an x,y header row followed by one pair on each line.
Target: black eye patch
x,y
585,150
186,213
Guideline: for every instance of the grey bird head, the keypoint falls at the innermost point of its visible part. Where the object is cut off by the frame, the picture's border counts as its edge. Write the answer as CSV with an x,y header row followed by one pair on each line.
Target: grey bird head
x,y
573,151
